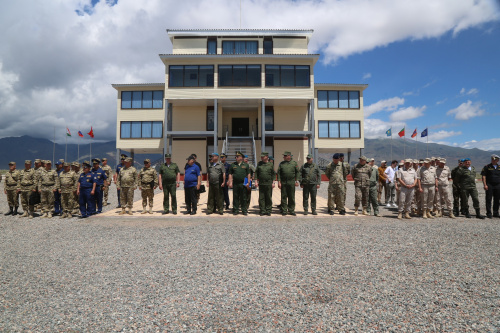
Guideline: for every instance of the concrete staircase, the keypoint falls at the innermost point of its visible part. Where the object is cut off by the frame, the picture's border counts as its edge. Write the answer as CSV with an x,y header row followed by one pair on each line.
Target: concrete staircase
x,y
243,144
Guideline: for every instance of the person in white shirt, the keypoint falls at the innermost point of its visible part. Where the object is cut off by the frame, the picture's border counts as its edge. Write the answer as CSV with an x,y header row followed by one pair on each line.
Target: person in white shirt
x,y
391,190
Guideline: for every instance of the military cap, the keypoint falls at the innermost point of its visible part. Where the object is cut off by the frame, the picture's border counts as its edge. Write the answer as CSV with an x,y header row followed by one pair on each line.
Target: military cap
x,y
271,158
210,155
371,159
86,162
168,155
147,160
495,157
443,160
38,160
190,157
341,155
86,165
461,160
309,156
104,159
245,156
59,163
287,153
215,154
223,155
427,160
239,153
437,158
383,161
336,156
27,162
421,161
408,160
363,157
12,163
128,159
75,164
401,163
96,160
264,153
123,156
466,159
433,158
194,155
48,162
65,164
61,160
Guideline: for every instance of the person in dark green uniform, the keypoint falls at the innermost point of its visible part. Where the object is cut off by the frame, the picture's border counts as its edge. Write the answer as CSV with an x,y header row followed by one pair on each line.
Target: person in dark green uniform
x,y
169,179
265,175
238,171
466,177
310,182
215,183
458,207
288,176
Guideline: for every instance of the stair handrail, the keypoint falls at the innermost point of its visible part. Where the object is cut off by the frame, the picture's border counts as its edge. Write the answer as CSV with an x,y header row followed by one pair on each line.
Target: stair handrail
x,y
225,144
254,152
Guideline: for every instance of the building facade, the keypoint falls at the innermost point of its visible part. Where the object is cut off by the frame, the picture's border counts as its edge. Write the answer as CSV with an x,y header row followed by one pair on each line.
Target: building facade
x,y
239,89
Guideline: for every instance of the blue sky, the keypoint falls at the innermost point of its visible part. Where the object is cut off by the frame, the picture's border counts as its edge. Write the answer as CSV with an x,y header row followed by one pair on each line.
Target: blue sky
x,y
428,62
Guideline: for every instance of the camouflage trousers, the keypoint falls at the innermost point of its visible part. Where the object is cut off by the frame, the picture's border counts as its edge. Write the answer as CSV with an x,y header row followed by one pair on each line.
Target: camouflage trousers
x,y
127,197
13,198
416,203
443,198
373,199
25,201
76,202
405,198
105,194
457,199
147,194
361,196
337,195
47,201
428,196
67,201
215,201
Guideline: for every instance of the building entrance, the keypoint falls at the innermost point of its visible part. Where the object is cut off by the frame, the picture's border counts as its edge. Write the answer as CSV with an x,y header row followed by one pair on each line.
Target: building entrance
x,y
240,127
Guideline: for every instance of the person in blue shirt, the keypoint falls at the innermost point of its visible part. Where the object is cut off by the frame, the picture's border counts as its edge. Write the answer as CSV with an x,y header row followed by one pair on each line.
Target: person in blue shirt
x,y
57,195
85,191
100,178
192,181
115,176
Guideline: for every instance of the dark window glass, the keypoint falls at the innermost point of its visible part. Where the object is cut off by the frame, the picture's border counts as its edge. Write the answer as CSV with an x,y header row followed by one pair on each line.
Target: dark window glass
x,y
141,129
322,99
125,129
323,129
136,99
240,47
206,76
126,99
176,76
343,99
157,129
210,118
287,76
227,47
225,76
268,45
269,121
239,75
157,99
353,99
252,47
302,78
272,76
147,99
254,76
190,76
212,46
146,129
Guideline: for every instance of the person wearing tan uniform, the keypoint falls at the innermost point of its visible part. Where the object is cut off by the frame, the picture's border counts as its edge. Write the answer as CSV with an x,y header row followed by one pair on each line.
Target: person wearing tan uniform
x,y
107,169
12,188
28,184
407,179
126,184
427,185
443,174
48,184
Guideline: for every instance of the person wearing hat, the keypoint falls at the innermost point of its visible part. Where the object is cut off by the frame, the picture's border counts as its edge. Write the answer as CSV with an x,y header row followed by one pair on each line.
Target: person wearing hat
x,y
48,185
100,178
107,169
148,182
373,191
310,176
225,189
57,195
115,177
361,174
491,184
427,185
127,183
407,179
85,189
288,179
458,206
335,173
192,182
238,171
68,181
264,181
443,174
252,176
12,188
400,166
75,167
466,177
199,167
382,183
216,178
347,171
169,179
390,173
27,180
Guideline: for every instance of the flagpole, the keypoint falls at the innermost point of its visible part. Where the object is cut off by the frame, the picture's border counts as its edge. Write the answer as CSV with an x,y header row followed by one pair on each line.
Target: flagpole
x,y
404,143
416,142
427,141
90,149
54,149
391,145
66,150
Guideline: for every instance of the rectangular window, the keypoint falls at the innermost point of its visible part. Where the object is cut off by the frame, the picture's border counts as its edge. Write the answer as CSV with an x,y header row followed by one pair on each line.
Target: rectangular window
x,y
210,118
269,121
339,129
338,99
287,76
141,129
268,45
239,47
212,45
239,75
191,76
142,99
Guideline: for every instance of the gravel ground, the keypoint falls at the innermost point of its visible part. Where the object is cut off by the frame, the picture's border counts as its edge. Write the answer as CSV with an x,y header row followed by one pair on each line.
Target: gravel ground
x,y
249,274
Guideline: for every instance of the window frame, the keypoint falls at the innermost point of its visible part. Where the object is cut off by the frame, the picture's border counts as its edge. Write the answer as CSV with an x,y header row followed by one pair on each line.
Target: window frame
x,y
209,41
141,99
210,109
266,110
233,52
141,124
232,76
329,99
280,74
339,137
199,68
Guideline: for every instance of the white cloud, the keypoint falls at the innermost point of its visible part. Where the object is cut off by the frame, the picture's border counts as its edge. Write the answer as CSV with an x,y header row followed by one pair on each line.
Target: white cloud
x,y
389,104
376,128
441,101
408,113
440,135
487,144
471,91
467,110
367,76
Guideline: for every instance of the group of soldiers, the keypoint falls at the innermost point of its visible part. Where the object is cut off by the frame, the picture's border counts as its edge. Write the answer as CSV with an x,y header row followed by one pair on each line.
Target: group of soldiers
x,y
61,191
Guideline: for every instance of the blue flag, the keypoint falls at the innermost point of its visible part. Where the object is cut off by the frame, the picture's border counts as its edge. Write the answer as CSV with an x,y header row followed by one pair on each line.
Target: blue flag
x,y
389,132
424,133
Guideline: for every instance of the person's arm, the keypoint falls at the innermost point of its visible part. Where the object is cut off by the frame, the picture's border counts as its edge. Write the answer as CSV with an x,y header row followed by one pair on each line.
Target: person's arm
x,y
78,188
248,182
160,182
93,188
178,180
484,183
223,176
199,182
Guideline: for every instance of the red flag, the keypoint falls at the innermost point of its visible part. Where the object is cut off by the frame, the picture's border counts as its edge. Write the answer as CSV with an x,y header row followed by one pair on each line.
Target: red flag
x,y
91,133
402,133
80,134
414,133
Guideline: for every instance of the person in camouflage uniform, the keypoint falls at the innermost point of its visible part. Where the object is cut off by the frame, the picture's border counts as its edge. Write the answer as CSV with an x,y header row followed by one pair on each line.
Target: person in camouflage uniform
x,y
443,174
466,177
216,178
107,169
347,171
126,184
75,167
37,169
335,174
310,182
361,174
288,179
68,181
48,185
148,182
27,182
12,188
373,194
407,179
458,205
169,180
265,175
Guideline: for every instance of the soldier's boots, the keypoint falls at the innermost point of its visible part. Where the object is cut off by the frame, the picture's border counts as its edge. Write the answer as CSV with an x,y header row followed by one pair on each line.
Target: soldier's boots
x,y
407,216
49,214
144,210
451,215
439,213
400,216
456,212
467,214
150,210
122,212
429,215
44,215
15,211
25,214
10,212
104,203
478,214
63,215
424,215
30,216
355,211
365,212
314,212
129,211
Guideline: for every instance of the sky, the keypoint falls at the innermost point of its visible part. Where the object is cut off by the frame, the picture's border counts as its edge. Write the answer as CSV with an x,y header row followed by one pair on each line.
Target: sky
x,y
428,63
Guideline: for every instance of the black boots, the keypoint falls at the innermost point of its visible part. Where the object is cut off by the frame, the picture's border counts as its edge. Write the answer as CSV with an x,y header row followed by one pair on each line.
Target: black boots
x,y
478,214
15,211
10,212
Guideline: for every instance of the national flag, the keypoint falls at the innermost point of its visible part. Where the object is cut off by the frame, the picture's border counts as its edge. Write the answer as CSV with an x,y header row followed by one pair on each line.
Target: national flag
x,y
389,132
80,134
91,133
424,133
68,133
402,133
414,133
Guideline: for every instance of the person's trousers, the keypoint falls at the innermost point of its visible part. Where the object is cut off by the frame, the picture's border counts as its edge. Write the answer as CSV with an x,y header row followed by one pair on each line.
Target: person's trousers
x,y
361,196
47,201
492,193
67,202
127,197
382,186
444,198
309,190
239,198
225,190
147,195
405,199
265,199
57,203
13,198
97,197
457,198
288,197
170,194
338,194
427,196
391,193
86,203
215,201
373,199
472,192
191,199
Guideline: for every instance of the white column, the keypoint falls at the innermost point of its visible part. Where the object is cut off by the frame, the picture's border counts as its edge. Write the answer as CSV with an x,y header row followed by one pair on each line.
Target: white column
x,y
263,126
165,127
216,126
